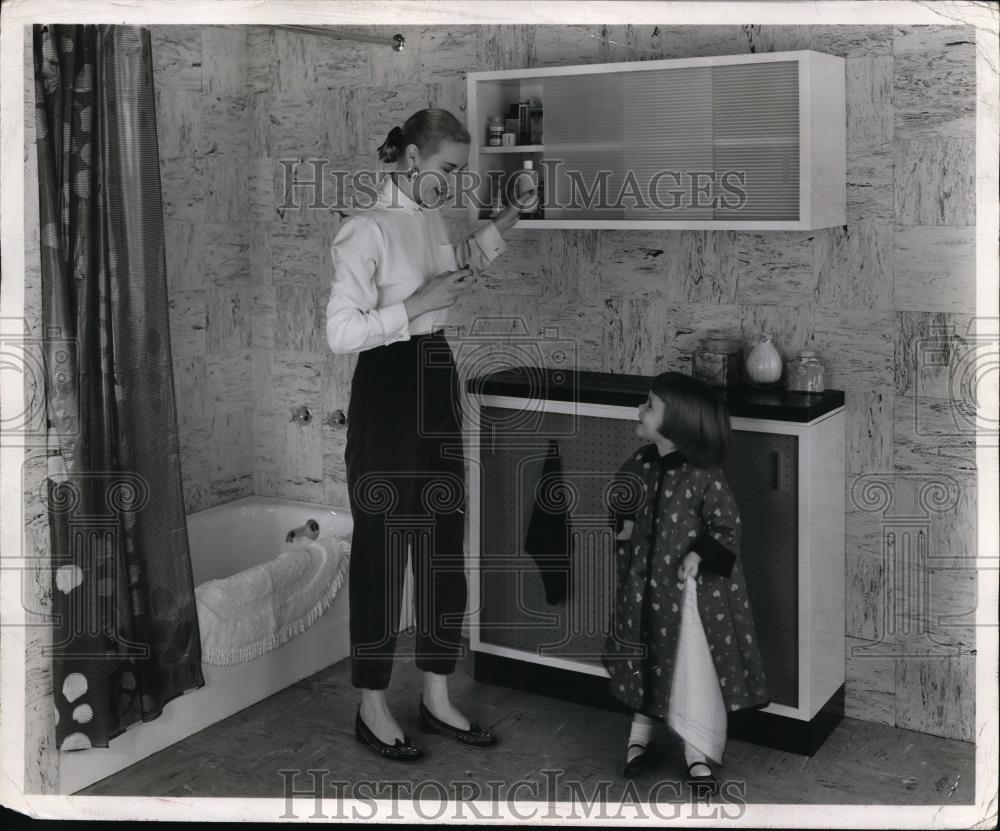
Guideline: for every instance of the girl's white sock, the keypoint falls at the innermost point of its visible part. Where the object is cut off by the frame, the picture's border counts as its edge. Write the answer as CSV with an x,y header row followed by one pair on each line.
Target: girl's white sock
x,y
693,756
640,733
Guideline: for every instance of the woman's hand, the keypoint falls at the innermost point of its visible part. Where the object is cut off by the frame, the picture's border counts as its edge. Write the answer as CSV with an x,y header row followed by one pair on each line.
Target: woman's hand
x,y
437,293
626,532
689,565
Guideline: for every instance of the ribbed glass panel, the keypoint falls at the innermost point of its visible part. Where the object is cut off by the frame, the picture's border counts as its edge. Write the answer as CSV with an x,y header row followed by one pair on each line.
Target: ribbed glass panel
x,y
756,137
648,132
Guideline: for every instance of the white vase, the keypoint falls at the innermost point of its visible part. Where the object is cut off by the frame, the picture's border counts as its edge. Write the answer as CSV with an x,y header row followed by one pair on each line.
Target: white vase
x,y
764,362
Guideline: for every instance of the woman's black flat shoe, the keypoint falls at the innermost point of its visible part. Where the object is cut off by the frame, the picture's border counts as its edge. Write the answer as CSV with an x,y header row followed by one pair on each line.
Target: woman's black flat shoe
x,y
402,751
637,764
706,784
475,736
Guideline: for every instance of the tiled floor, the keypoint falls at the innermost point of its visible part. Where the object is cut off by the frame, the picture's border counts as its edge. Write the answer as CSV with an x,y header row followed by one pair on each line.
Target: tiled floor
x,y
310,726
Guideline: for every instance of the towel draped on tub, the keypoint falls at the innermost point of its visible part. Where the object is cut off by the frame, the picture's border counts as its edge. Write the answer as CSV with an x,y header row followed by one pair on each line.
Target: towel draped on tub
x,y
247,614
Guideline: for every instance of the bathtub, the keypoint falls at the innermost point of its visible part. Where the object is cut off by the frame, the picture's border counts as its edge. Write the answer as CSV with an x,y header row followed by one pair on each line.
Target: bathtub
x,y
225,540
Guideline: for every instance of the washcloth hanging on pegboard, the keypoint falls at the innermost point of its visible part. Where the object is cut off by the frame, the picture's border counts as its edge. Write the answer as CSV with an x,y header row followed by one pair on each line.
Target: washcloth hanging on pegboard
x,y
547,540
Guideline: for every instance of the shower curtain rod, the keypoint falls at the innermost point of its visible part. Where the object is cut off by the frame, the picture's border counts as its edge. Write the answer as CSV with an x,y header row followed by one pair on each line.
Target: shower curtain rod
x,y
397,42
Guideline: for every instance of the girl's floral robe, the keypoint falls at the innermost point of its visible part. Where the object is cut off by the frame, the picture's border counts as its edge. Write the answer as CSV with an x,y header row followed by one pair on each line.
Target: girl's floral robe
x,y
678,507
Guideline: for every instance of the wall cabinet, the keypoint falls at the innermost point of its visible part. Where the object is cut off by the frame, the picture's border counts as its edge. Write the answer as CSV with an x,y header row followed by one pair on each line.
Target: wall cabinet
x,y
786,469
753,142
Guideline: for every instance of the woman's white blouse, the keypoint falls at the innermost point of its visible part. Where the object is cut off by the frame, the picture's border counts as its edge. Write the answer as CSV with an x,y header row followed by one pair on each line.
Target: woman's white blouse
x,y
381,256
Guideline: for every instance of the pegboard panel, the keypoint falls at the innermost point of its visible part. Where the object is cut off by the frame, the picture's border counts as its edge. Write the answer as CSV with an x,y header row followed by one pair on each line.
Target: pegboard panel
x,y
514,612
763,472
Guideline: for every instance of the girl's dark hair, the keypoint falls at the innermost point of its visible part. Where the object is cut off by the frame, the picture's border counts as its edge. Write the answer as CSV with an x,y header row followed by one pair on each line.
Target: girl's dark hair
x,y
426,129
694,418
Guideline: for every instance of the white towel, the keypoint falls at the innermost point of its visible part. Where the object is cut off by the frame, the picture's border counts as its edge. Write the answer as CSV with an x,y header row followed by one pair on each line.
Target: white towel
x,y
696,711
243,616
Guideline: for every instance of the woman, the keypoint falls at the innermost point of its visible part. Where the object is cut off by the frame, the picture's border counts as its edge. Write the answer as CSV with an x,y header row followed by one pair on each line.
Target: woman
x,y
395,275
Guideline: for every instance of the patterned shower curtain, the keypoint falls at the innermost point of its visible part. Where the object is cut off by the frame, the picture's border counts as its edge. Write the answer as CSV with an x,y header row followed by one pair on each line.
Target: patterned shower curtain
x,y
126,638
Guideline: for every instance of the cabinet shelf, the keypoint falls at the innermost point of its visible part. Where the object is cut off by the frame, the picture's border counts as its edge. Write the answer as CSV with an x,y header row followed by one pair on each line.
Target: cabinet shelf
x,y
513,148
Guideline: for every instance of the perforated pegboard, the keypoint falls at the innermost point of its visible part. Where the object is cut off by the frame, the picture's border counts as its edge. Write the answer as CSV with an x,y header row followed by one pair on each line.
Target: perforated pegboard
x,y
514,612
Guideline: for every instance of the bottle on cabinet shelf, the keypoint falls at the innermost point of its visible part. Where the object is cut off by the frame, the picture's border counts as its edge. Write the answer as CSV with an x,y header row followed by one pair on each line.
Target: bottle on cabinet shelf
x,y
527,179
494,132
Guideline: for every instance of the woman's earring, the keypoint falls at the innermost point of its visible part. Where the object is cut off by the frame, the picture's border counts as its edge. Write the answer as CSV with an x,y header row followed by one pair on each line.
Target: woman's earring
x,y
413,171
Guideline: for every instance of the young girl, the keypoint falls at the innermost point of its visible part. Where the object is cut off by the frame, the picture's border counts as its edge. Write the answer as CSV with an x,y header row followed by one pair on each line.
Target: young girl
x,y
683,647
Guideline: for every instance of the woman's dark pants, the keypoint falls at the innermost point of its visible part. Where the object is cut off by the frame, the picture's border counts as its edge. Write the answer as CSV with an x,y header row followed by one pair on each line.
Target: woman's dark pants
x,y
406,483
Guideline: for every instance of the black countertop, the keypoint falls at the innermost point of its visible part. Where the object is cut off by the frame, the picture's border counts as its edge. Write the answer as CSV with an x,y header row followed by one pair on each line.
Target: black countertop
x,y
630,391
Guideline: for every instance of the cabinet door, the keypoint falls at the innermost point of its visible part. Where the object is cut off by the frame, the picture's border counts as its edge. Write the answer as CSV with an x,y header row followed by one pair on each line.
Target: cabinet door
x,y
762,471
640,142
513,609
755,136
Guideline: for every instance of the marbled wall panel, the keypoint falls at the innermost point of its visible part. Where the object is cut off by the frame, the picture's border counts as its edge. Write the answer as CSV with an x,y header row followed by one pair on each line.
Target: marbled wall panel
x,y
854,267
295,254
632,263
190,380
225,125
507,47
519,269
777,268
869,422
870,685
179,123
225,189
229,310
845,41
937,695
226,258
934,82
856,346
868,87
225,58
933,435
177,56
184,189
870,185
935,268
188,311
570,265
936,182
934,353
229,380
184,246
648,335
231,445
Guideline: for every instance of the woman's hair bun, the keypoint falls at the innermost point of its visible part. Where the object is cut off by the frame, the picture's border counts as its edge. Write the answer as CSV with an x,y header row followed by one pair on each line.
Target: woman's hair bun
x,y
391,147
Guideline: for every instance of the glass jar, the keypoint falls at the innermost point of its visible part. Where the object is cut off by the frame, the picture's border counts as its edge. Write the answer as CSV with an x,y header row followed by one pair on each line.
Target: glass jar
x,y
806,373
494,132
717,360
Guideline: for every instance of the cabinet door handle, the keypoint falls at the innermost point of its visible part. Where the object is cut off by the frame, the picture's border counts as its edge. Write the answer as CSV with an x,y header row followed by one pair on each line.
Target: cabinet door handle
x,y
778,470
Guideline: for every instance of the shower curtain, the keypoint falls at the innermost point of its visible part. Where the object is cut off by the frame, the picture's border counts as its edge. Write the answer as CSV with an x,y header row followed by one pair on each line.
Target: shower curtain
x,y
126,638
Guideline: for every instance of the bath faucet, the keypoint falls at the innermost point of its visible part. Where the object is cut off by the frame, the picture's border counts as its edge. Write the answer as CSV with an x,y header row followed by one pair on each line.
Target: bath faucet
x,y
301,414
338,418
309,530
